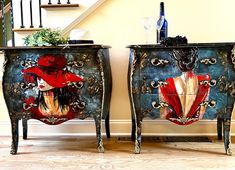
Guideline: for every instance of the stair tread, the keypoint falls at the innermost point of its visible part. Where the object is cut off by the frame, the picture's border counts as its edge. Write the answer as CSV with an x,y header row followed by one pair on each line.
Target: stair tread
x,y
59,5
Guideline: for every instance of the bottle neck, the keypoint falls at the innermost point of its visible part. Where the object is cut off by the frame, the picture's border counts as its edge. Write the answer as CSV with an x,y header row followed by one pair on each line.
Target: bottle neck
x,y
162,13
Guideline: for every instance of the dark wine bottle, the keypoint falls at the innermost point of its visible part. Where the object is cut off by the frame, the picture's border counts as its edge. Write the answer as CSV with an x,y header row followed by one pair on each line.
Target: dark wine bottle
x,y
162,25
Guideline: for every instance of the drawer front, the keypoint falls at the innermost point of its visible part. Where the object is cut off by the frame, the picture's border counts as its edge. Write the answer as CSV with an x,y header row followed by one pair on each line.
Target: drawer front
x,y
173,109
214,63
182,83
220,100
85,62
155,67
206,72
147,103
151,83
160,62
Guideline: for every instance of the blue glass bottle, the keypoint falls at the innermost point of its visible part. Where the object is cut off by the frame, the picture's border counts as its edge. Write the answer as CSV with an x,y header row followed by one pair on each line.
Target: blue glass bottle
x,y
162,25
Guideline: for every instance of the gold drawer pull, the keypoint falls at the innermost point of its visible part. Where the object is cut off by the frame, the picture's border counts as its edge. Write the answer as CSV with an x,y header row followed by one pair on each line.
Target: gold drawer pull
x,y
210,61
159,105
78,104
211,103
159,62
28,63
25,86
210,83
29,106
157,84
78,85
77,64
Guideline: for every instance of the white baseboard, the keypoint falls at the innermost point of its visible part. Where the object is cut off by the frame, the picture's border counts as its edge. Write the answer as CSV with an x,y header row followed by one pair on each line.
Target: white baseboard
x,y
117,128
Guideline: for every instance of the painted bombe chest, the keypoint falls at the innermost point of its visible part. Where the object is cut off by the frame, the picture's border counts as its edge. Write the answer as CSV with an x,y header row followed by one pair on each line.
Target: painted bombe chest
x,y
182,84
56,84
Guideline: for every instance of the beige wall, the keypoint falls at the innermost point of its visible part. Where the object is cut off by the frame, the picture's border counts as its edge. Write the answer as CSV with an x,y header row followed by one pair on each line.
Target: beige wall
x,y
118,23
4,113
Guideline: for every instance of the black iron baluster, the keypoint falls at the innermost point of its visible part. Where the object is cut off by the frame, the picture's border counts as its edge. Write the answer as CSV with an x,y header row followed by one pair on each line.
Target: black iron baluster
x,y
12,25
21,12
58,2
40,14
31,14
4,33
49,3
68,2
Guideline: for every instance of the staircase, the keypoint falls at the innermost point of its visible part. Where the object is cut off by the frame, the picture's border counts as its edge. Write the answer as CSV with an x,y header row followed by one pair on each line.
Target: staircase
x,y
5,34
33,15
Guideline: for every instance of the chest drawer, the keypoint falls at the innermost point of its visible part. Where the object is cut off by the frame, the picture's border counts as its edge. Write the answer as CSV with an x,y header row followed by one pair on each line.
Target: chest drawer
x,y
85,62
212,62
159,62
154,107
151,83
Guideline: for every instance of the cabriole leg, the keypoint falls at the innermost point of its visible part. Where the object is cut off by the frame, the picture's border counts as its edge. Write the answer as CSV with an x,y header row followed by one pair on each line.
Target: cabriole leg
x,y
98,134
219,128
107,128
25,128
15,135
227,136
138,136
133,129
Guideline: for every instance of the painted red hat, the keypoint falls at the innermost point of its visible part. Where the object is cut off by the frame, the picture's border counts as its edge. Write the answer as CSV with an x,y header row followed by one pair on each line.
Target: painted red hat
x,y
52,69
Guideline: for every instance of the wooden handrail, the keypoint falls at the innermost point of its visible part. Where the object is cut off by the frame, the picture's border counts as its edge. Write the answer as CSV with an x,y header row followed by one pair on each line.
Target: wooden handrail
x,y
6,9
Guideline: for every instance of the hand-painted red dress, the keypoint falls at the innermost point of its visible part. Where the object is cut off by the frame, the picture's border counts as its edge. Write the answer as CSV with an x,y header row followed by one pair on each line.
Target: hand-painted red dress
x,y
184,96
53,113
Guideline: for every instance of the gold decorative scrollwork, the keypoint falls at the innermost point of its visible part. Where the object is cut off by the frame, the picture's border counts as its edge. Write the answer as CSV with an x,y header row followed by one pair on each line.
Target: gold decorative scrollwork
x,y
233,56
94,86
224,57
144,87
144,55
143,61
26,115
226,86
184,120
53,120
13,89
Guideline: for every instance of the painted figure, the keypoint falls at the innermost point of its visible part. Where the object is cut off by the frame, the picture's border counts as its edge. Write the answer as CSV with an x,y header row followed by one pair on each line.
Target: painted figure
x,y
185,96
57,99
